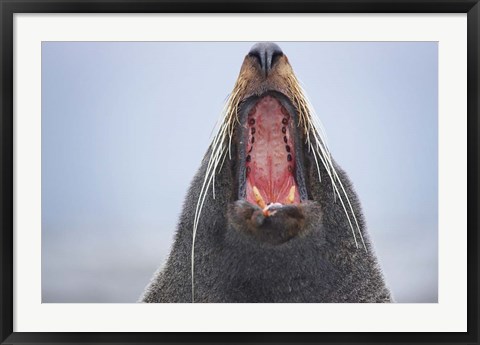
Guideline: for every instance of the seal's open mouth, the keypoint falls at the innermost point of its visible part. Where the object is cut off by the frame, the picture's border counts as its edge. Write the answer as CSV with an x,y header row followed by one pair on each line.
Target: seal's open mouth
x,y
270,161
271,165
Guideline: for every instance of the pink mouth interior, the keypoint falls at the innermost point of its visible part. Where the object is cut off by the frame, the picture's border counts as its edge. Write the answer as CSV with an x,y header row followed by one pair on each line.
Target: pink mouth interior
x,y
270,154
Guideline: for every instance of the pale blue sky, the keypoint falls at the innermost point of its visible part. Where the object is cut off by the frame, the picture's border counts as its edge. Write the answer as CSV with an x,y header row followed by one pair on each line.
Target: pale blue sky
x,y
125,125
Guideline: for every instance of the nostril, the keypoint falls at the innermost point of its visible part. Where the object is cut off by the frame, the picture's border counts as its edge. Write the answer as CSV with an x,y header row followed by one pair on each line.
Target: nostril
x,y
275,57
256,55
266,54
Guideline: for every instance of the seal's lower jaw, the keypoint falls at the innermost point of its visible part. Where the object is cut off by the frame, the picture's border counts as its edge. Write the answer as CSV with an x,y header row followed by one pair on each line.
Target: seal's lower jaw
x,y
287,221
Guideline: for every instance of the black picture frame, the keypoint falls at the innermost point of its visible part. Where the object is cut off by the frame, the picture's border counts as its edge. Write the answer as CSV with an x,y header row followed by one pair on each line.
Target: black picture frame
x,y
10,7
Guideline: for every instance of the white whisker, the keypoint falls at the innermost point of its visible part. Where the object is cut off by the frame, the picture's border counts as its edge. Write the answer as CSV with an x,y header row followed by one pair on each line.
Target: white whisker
x,y
314,126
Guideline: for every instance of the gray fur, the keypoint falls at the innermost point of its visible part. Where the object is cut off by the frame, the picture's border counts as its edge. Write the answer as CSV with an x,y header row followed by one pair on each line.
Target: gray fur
x,y
321,264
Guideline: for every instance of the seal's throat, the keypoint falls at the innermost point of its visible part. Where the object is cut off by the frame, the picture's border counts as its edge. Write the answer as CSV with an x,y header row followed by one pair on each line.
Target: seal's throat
x,y
270,157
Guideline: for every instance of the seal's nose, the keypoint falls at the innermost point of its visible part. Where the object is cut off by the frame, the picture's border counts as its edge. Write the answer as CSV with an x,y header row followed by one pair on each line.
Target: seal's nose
x,y
267,53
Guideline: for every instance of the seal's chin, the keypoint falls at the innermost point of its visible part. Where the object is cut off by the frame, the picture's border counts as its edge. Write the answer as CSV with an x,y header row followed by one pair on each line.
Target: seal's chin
x,y
282,224
272,192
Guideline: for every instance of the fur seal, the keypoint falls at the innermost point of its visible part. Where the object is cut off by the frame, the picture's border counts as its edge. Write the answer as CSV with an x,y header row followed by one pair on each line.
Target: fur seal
x,y
269,217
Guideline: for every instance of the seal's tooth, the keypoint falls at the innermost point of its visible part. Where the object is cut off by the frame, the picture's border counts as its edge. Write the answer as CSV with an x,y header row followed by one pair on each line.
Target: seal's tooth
x,y
291,195
267,213
258,198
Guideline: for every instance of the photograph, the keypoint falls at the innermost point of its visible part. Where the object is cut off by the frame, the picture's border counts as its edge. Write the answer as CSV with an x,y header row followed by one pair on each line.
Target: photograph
x,y
239,172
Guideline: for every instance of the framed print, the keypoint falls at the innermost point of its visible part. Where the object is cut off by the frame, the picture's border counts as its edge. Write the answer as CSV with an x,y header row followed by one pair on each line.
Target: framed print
x,y
245,173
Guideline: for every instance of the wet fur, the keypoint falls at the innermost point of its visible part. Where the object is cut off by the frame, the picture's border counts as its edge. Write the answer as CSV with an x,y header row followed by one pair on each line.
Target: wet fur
x,y
323,264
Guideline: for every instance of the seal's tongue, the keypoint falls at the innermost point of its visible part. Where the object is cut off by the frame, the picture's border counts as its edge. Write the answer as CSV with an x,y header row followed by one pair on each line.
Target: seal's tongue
x,y
270,156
